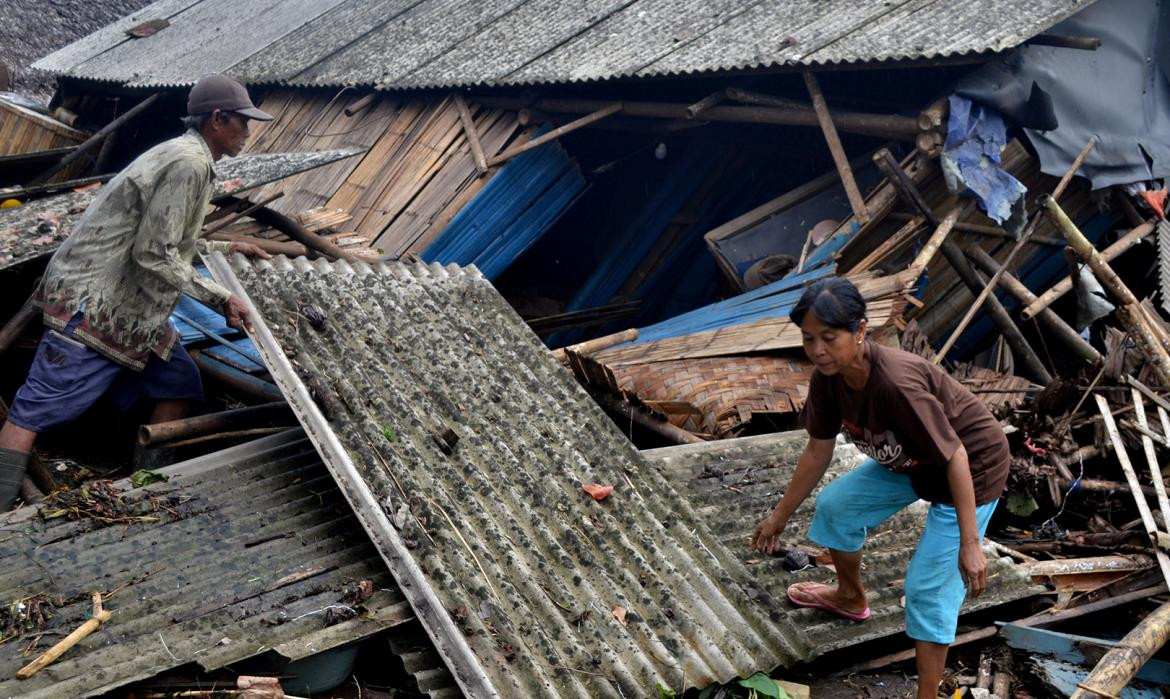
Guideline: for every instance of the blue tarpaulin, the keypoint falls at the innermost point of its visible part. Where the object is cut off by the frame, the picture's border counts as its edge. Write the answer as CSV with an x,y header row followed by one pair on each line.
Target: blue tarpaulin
x,y
976,136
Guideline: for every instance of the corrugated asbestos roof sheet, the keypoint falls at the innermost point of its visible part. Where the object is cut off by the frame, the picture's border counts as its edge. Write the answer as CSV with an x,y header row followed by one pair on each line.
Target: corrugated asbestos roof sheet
x,y
462,446
732,484
249,548
37,228
397,44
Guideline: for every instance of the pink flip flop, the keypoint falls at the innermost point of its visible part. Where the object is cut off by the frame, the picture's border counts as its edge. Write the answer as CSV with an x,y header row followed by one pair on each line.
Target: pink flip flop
x,y
813,600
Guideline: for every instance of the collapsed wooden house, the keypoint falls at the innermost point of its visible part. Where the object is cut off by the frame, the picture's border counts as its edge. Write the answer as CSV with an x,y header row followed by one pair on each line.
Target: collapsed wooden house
x,y
562,159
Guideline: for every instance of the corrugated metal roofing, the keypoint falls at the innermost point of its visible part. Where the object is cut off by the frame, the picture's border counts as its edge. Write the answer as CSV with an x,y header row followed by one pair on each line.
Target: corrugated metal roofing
x,y
462,446
26,233
514,571
247,549
397,44
733,484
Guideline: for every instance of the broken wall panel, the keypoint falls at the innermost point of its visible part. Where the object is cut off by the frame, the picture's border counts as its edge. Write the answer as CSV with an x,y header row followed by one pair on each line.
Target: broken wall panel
x,y
463,447
239,552
417,170
25,131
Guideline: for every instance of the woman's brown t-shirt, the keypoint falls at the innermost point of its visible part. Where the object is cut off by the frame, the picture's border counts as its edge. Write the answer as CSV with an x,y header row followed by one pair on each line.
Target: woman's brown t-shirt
x,y
911,417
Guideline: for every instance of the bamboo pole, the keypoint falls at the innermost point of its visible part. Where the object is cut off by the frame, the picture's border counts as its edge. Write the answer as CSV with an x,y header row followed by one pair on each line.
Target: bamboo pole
x,y
1047,317
556,133
267,414
981,229
361,104
1114,671
706,103
17,323
93,140
1015,339
270,246
1124,243
661,427
879,125
856,202
1139,411
299,233
936,240
100,616
1129,311
1134,485
1011,256
588,347
472,134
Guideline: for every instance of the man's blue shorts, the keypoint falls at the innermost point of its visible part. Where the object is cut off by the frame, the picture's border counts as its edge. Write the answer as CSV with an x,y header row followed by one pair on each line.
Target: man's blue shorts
x,y
865,497
68,377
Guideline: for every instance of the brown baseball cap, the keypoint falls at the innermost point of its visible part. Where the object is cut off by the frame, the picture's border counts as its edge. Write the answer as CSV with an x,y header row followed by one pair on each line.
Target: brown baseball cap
x,y
220,92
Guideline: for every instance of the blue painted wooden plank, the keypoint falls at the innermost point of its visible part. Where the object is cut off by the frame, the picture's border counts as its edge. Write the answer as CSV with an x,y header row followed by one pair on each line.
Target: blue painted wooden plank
x,y
513,210
202,315
253,364
1068,648
1064,678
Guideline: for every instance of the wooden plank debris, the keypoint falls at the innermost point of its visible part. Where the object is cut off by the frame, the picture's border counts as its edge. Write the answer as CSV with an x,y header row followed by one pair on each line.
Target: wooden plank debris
x,y
1134,485
835,148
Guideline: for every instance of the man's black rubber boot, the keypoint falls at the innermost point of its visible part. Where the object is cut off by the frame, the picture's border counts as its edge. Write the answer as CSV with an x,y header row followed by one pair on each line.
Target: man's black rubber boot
x,y
12,465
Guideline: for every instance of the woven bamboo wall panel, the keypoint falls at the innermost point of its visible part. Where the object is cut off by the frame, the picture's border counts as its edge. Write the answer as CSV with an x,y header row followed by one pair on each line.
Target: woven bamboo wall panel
x,y
724,391
415,175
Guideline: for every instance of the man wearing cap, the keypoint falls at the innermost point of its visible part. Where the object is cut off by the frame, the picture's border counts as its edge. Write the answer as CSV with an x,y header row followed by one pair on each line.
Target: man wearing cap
x,y
111,286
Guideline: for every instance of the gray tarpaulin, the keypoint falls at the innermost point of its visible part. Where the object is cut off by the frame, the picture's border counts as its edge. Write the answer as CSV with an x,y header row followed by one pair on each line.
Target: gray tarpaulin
x,y
1117,93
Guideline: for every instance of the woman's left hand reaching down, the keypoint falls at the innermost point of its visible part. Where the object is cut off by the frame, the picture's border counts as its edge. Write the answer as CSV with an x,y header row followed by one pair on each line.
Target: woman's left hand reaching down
x,y
973,567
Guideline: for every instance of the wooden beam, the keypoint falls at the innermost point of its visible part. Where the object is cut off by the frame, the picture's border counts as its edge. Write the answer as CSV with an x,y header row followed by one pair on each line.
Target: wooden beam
x,y
856,202
556,133
706,103
879,125
1129,310
93,140
1011,256
1047,317
1125,242
471,133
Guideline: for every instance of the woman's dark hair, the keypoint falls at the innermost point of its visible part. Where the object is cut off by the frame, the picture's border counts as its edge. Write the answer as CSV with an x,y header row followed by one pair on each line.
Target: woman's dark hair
x,y
834,301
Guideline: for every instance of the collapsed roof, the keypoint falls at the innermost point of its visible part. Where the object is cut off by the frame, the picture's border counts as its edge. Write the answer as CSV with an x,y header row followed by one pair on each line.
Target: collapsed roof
x,y
463,448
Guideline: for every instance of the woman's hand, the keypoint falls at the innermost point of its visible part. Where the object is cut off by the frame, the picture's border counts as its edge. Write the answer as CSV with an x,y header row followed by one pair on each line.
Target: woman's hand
x,y
766,538
973,567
